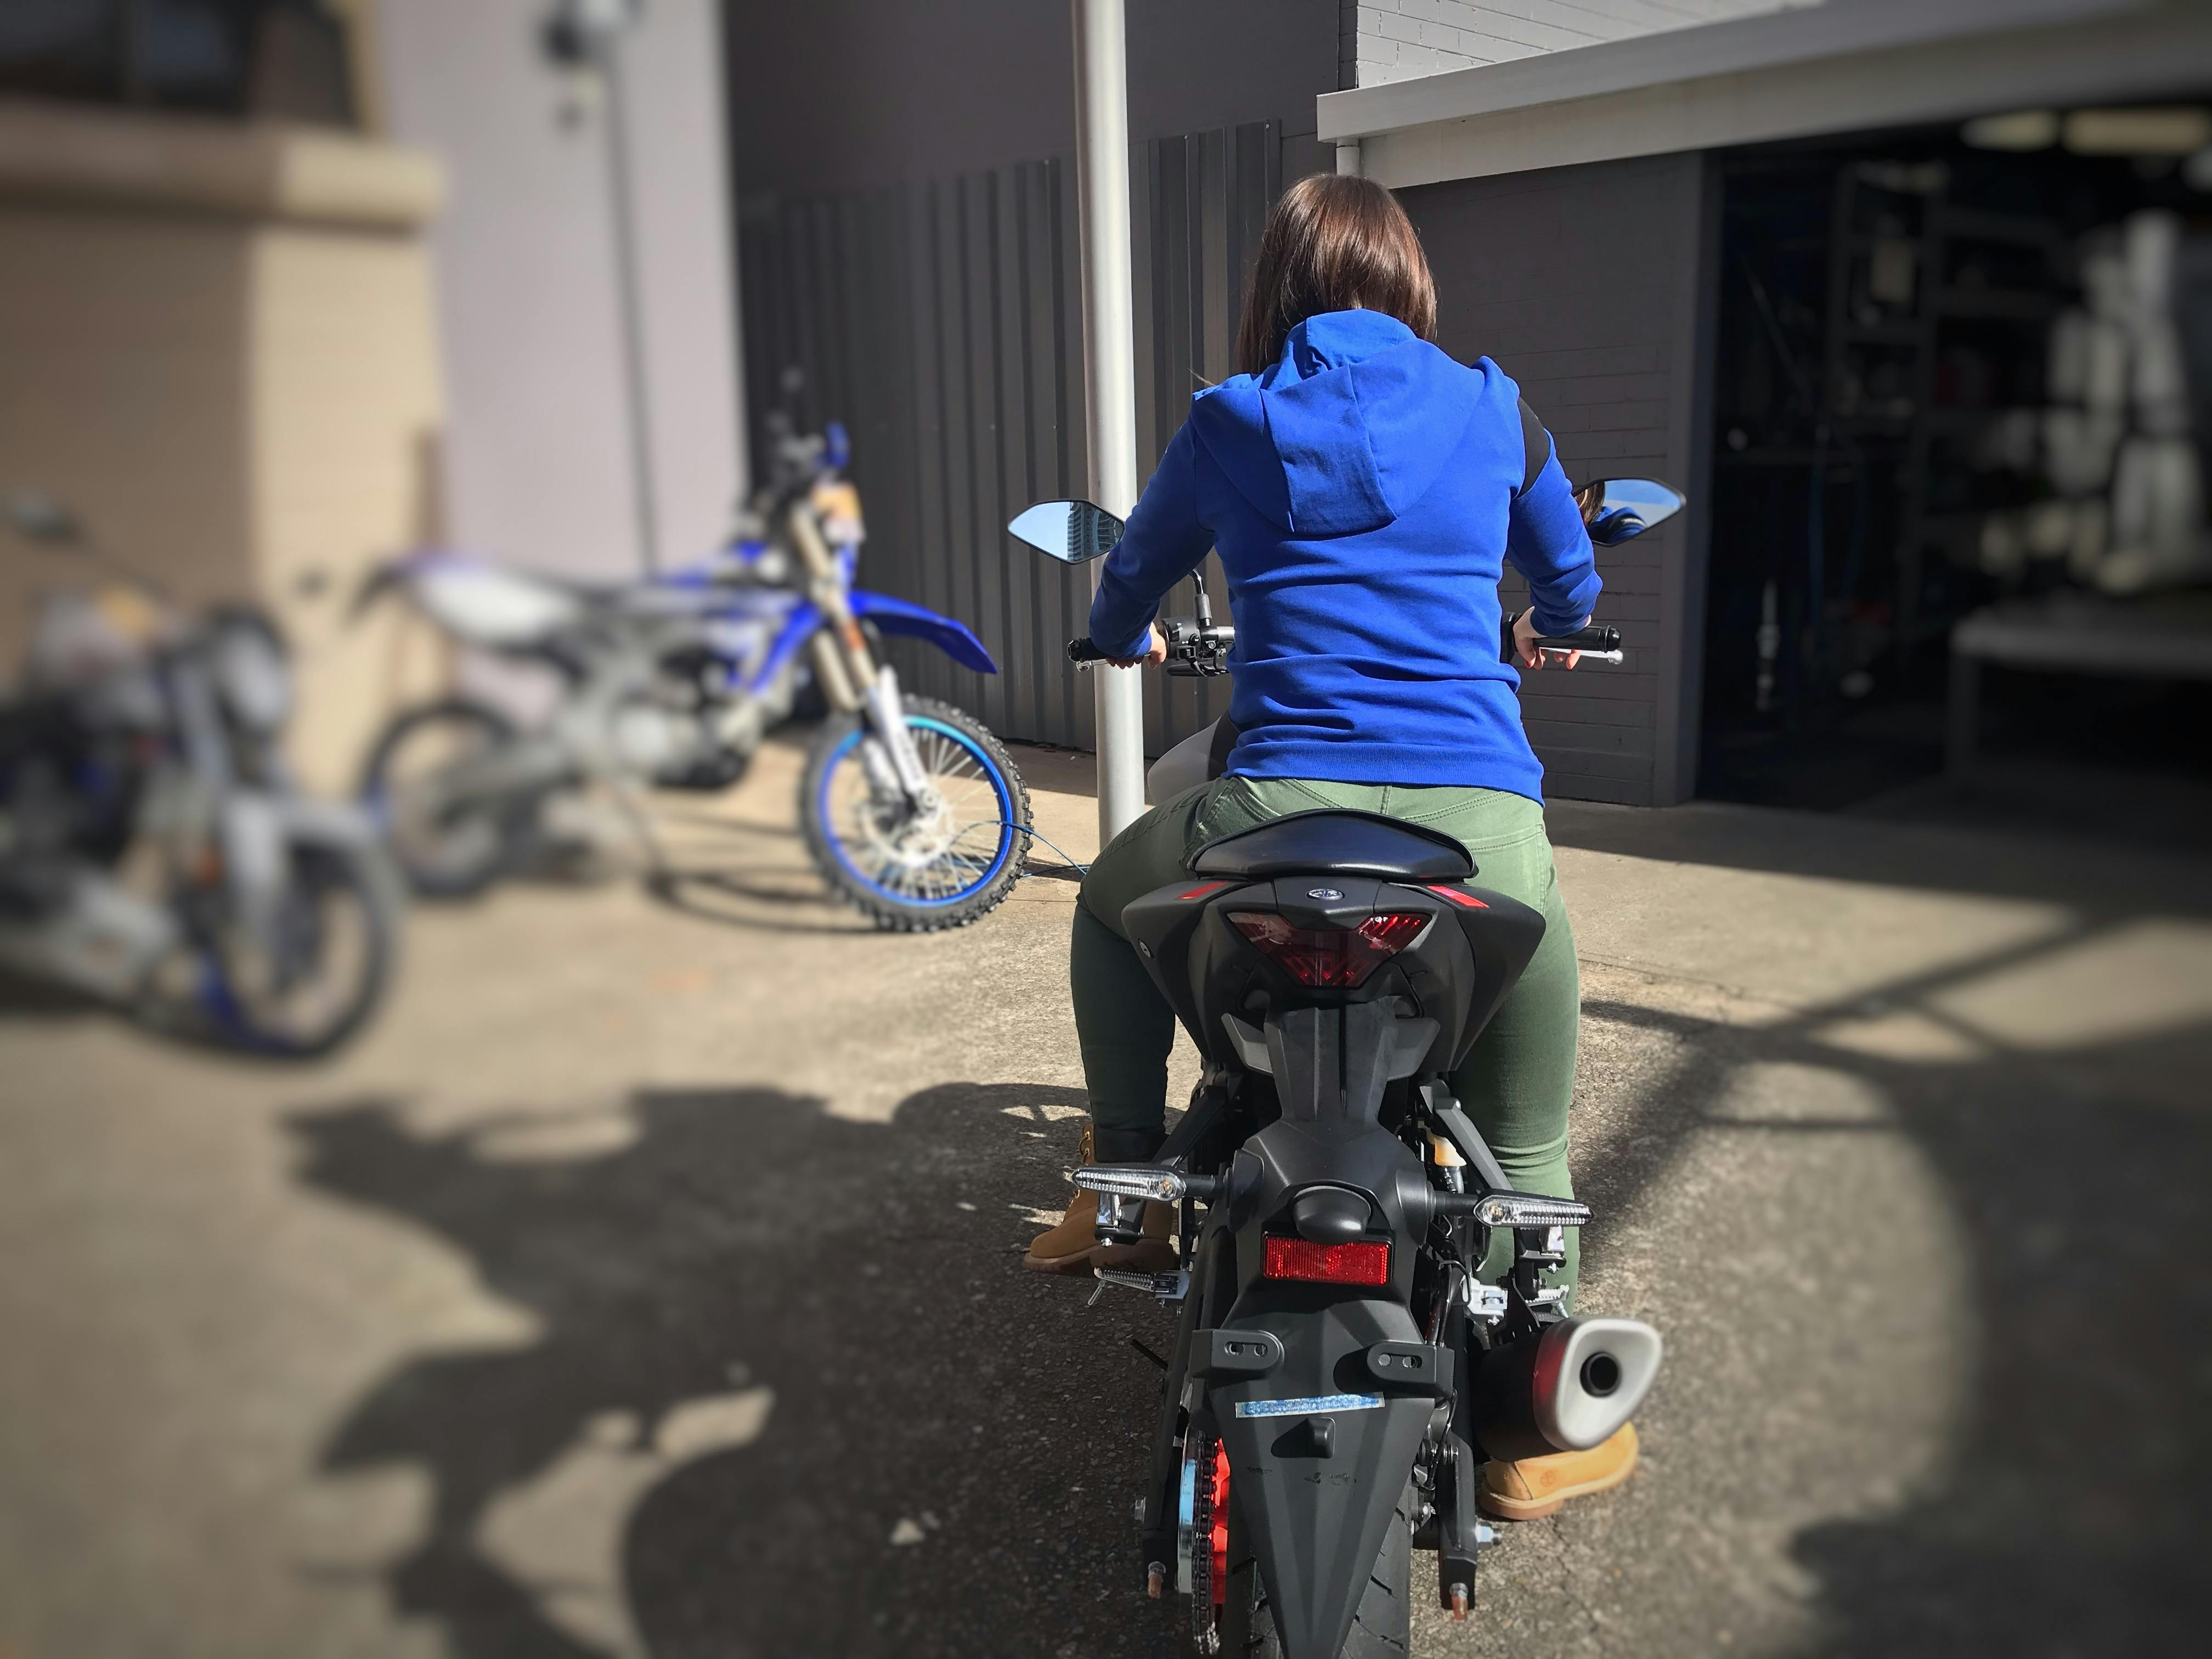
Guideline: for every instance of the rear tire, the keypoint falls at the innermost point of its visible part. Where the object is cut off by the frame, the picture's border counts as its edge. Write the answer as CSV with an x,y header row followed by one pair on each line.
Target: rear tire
x,y
458,853
1382,1629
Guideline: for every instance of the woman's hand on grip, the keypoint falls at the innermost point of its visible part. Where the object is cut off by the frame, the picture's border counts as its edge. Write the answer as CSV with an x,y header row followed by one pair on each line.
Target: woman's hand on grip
x,y
1527,652
1155,651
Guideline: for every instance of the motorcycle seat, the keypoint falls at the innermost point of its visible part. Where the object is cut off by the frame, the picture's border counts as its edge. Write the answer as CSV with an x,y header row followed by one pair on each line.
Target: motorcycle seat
x,y
1333,843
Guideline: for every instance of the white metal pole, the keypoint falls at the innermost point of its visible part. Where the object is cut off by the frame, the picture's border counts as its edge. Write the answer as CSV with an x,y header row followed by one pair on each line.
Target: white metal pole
x,y
636,385
1348,157
1101,166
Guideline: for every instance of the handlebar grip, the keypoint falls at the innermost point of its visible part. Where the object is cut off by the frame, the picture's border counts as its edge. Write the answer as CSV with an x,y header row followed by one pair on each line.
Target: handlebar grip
x,y
1588,639
1084,650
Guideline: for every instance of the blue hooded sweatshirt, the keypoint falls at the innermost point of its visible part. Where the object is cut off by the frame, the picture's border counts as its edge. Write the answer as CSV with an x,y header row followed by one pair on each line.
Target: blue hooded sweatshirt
x,y
1364,493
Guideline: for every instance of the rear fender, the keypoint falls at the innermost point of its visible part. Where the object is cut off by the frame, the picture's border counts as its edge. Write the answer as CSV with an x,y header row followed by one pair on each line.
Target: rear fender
x,y
953,638
379,582
485,603
1319,1451
398,575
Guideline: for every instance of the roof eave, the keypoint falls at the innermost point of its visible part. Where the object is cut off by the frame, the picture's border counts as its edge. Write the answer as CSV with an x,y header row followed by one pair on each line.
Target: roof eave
x,y
1698,52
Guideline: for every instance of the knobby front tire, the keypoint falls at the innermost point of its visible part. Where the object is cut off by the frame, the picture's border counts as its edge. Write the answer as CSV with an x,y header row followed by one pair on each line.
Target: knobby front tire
x,y
962,868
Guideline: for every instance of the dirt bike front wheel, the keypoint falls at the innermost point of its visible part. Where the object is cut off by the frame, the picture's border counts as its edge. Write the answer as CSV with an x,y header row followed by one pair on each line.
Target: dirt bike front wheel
x,y
916,872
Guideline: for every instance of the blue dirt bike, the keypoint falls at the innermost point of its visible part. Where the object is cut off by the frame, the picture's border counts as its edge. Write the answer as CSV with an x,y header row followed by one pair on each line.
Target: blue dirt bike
x,y
912,809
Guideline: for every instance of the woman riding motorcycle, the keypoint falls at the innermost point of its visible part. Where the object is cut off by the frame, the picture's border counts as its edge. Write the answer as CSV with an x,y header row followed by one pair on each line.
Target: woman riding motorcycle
x,y
1365,491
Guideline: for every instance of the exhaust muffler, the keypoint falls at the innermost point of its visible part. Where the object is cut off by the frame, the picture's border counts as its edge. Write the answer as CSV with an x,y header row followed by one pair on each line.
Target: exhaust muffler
x,y
1566,1387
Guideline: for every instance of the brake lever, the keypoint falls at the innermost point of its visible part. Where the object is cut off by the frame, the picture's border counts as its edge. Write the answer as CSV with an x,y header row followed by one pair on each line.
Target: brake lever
x,y
1562,652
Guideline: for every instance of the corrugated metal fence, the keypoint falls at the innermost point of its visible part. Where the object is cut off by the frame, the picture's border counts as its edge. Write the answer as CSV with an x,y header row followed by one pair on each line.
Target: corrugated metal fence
x,y
942,322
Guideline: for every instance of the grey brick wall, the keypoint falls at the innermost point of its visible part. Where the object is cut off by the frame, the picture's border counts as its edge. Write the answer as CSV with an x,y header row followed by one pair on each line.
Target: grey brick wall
x,y
1587,285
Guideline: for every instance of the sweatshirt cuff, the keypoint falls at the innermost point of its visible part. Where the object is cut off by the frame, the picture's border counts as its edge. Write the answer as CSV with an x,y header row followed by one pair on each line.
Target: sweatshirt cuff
x,y
1131,645
1551,623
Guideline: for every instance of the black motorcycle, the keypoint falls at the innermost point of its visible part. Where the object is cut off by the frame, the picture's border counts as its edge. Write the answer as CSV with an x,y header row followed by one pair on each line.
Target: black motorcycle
x,y
1340,1371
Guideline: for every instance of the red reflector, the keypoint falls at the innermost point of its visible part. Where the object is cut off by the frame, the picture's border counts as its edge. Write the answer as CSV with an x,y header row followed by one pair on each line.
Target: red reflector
x,y
1466,901
1331,958
1201,891
1362,1263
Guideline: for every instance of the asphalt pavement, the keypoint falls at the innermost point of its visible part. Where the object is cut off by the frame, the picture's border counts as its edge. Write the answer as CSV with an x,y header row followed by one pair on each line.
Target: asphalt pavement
x,y
647,1282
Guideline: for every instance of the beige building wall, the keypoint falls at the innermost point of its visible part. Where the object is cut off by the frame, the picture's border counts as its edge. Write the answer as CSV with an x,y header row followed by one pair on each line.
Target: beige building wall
x,y
218,344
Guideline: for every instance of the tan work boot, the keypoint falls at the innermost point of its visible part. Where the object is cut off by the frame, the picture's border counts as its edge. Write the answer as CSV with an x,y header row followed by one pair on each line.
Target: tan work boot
x,y
1537,1487
1072,1247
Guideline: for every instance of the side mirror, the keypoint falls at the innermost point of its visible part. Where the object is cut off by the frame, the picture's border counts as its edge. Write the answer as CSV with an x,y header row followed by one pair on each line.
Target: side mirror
x,y
1074,532
1618,509
42,518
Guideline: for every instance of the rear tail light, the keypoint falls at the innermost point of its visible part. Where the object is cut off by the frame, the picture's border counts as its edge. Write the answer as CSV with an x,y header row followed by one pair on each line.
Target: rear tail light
x,y
1331,958
1362,1262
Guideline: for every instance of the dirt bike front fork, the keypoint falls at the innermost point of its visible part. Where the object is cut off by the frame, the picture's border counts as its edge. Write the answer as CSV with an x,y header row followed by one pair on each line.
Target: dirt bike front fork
x,y
894,764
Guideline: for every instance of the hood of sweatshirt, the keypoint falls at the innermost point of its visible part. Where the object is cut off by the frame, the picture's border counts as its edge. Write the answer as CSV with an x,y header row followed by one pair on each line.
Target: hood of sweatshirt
x,y
1346,431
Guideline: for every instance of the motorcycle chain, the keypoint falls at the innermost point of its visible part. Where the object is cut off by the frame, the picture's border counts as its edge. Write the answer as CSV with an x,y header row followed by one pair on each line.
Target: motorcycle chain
x,y
1204,1613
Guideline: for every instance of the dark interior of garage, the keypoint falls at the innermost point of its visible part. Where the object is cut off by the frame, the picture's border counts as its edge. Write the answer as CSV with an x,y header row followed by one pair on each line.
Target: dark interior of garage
x,y
1962,406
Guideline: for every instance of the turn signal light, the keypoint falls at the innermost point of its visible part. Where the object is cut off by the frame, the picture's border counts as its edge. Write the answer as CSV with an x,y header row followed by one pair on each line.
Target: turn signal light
x,y
1334,958
1362,1262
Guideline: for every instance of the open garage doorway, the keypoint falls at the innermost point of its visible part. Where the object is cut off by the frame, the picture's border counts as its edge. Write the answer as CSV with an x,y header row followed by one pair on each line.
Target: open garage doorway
x,y
1962,410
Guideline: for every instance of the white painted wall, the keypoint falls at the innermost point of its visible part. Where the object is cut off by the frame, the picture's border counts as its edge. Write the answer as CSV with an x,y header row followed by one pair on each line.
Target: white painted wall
x,y
1384,41
536,456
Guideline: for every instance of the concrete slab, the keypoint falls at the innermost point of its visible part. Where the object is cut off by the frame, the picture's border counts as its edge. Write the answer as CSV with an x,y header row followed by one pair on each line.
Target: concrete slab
x,y
647,1282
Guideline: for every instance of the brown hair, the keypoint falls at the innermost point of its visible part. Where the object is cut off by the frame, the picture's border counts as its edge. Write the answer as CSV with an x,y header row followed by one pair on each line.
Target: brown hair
x,y
1333,243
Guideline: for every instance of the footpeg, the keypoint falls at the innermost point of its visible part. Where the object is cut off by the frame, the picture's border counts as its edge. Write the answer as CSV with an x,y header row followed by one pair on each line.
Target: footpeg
x,y
1165,1287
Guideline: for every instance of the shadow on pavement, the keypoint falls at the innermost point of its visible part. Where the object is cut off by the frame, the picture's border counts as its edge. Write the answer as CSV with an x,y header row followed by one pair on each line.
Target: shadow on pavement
x,y
785,1390
789,1392
2109,876
773,901
2068,1513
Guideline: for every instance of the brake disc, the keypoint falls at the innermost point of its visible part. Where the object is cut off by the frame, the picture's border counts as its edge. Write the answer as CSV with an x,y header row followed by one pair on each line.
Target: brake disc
x,y
911,842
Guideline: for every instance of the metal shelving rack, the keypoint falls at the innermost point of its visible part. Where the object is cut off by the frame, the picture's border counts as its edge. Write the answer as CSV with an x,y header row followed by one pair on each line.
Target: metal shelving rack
x,y
1916,429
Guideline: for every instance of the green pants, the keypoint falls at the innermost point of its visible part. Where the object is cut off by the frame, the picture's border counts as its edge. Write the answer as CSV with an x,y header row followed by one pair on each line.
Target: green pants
x,y
1516,1084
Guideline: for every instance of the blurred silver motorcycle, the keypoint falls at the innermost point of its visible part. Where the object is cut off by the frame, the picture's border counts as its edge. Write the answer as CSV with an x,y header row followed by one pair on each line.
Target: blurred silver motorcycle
x,y
155,853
